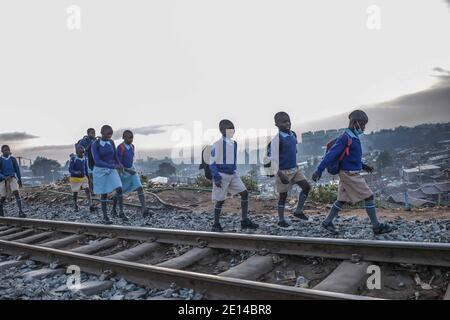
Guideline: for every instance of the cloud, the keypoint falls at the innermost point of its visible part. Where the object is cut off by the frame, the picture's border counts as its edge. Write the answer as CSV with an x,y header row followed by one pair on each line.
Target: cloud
x,y
16,136
50,148
431,105
146,131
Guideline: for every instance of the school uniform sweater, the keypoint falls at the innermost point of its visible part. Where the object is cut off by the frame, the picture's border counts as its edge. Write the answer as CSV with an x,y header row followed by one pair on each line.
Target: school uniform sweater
x,y
78,165
104,154
352,161
223,158
9,167
287,150
85,142
125,153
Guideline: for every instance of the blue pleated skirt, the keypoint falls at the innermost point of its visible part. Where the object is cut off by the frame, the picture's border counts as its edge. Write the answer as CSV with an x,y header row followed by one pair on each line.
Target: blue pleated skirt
x,y
106,180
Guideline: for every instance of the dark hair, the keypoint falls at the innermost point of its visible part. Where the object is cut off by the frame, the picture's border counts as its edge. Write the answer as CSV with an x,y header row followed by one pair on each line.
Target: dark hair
x,y
4,146
127,132
280,114
358,115
80,147
106,128
225,124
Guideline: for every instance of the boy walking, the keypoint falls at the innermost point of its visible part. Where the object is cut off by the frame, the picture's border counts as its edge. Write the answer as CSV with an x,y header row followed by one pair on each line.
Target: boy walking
x,y
10,180
78,170
282,153
226,180
130,179
347,152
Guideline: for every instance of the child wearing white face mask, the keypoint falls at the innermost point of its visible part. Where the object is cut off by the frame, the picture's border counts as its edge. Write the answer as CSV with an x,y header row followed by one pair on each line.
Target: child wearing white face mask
x,y
352,186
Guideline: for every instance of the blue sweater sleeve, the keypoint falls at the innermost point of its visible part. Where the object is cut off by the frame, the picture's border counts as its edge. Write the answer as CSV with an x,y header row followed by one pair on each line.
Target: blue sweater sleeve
x,y
213,166
2,176
71,165
99,162
120,151
333,154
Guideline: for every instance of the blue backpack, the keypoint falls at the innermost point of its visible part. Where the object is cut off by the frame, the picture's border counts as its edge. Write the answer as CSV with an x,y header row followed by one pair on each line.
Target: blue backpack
x,y
335,167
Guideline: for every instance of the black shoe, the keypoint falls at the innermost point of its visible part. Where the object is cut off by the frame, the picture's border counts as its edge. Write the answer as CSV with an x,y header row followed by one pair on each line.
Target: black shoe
x,y
300,215
217,228
92,209
330,227
248,224
76,208
383,228
146,213
22,215
106,220
283,224
123,217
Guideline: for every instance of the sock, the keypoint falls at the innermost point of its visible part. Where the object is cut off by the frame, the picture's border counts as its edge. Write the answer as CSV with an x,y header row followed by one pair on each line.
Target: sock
x,y
217,210
142,200
114,204
372,213
280,212
301,202
120,201
2,201
244,206
337,206
104,207
75,198
19,202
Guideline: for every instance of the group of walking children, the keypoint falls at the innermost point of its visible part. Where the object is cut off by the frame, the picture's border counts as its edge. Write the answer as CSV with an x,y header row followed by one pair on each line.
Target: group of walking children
x,y
102,168
343,157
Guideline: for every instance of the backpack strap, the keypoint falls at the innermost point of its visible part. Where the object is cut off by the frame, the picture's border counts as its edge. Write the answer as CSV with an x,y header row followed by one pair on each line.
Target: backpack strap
x,y
347,149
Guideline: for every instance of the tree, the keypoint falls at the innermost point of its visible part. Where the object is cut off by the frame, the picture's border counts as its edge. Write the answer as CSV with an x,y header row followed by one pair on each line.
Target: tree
x,y
46,168
166,169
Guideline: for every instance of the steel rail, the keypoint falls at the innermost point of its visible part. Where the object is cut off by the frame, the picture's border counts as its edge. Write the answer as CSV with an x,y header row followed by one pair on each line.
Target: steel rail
x,y
432,254
212,286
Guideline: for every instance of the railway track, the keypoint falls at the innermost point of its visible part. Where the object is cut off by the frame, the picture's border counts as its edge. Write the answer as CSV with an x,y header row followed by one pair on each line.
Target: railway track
x,y
140,256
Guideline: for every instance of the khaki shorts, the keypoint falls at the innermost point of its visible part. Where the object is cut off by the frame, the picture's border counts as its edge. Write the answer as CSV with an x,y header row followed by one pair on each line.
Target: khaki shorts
x,y
7,187
77,184
294,175
231,183
352,187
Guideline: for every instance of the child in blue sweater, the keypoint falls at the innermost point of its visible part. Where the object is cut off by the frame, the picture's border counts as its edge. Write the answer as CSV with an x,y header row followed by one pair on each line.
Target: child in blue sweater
x,y
10,180
86,142
226,179
78,169
106,172
130,179
282,153
352,186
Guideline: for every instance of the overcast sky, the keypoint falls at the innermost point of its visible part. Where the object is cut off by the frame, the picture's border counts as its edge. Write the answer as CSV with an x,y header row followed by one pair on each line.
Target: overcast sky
x,y
160,65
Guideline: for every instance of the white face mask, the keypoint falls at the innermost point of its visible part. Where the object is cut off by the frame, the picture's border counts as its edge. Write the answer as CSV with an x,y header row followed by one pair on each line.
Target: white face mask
x,y
358,130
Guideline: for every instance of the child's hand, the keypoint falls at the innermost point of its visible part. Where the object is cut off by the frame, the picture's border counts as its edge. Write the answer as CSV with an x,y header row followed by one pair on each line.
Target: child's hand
x,y
368,168
284,179
316,176
218,183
